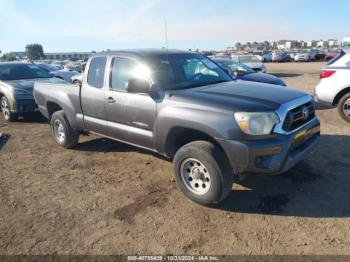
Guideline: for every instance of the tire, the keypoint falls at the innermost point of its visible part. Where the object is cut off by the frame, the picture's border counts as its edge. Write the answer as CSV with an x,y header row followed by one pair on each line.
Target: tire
x,y
202,163
62,132
344,104
5,109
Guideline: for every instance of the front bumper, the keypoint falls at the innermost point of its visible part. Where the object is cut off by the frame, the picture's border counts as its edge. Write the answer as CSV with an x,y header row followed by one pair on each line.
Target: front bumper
x,y
275,155
24,106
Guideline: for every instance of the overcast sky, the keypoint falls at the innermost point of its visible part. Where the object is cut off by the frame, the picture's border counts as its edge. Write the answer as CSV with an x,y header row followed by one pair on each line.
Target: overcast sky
x,y
81,25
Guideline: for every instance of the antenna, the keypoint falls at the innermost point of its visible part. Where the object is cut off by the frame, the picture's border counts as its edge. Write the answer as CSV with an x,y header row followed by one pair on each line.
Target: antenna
x,y
166,33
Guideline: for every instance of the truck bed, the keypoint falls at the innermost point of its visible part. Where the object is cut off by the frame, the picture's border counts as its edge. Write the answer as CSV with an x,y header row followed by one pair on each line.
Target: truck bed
x,y
65,96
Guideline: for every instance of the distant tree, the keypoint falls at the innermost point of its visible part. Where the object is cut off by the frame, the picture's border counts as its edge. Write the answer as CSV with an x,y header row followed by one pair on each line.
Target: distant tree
x,y
238,46
34,51
8,57
266,44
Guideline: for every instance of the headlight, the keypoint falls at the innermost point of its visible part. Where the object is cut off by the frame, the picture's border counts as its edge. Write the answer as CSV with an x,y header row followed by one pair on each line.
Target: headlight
x,y
260,123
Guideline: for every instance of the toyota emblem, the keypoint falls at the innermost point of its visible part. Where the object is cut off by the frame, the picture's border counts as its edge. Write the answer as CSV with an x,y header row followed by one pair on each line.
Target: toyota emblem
x,y
305,113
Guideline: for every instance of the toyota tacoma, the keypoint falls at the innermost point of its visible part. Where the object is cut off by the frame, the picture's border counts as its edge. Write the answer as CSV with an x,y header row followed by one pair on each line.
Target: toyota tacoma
x,y
183,106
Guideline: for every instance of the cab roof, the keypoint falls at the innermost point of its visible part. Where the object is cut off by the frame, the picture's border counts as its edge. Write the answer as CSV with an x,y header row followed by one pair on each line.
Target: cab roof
x,y
143,52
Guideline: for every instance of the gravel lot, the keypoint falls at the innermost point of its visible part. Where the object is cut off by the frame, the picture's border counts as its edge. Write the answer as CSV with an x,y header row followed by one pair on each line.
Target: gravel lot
x,y
104,197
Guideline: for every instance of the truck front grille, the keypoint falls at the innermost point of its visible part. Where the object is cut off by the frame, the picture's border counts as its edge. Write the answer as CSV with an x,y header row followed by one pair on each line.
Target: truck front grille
x,y
299,116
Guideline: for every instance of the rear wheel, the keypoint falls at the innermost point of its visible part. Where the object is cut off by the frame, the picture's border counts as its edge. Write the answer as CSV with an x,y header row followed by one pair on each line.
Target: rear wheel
x,y
62,132
203,173
5,109
344,107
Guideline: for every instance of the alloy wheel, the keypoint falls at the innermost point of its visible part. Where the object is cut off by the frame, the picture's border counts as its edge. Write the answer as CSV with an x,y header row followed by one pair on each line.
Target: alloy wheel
x,y
59,131
5,108
195,176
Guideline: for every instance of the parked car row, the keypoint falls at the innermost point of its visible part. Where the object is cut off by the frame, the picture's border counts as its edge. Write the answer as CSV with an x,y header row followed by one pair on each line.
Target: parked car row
x,y
16,88
63,74
293,56
72,64
181,105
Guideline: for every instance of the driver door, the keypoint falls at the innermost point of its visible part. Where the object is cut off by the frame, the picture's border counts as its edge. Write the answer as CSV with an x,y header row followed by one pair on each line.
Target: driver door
x,y
131,117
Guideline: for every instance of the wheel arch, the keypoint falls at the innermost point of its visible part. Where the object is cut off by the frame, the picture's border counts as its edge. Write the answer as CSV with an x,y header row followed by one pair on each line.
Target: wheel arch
x,y
52,107
180,136
340,95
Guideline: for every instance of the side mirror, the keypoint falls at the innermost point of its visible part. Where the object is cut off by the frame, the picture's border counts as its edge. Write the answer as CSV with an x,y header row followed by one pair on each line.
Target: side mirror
x,y
239,73
138,86
51,74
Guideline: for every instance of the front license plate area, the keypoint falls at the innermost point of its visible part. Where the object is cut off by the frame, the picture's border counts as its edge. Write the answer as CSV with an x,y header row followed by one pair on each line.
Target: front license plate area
x,y
304,135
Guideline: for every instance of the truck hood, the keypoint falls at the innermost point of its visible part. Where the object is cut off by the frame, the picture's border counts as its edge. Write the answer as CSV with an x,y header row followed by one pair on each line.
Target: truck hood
x,y
27,85
240,95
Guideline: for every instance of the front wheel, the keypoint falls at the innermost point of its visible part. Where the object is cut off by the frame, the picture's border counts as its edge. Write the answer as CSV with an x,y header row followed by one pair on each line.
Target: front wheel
x,y
344,107
5,109
62,132
203,173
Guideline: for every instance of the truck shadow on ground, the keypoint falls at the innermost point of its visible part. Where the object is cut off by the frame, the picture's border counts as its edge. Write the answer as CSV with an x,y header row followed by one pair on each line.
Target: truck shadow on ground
x,y
34,118
317,187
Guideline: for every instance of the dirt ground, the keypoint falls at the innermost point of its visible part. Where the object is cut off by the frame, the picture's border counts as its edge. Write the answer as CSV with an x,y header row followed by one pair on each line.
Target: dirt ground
x,y
104,197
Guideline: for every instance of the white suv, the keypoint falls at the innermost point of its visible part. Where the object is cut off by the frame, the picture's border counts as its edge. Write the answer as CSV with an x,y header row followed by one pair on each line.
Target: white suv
x,y
334,87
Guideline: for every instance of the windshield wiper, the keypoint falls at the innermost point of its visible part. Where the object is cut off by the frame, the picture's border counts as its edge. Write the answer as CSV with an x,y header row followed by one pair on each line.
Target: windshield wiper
x,y
218,82
188,86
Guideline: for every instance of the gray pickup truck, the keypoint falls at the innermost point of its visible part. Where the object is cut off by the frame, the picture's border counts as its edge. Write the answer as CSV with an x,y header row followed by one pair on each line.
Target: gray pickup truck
x,y
183,106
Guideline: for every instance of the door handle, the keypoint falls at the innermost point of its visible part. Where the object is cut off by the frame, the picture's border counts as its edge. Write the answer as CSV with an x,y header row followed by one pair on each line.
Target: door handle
x,y
110,100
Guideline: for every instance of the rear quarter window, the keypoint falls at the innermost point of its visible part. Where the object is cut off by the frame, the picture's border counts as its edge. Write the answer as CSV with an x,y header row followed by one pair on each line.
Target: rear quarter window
x,y
96,74
336,58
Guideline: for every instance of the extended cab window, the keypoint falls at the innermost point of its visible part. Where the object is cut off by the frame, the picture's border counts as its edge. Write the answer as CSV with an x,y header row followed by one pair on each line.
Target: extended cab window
x,y
96,72
123,70
336,58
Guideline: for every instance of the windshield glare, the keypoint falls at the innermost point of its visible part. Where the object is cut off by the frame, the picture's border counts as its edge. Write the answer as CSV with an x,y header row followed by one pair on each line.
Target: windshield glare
x,y
177,71
234,67
248,59
22,71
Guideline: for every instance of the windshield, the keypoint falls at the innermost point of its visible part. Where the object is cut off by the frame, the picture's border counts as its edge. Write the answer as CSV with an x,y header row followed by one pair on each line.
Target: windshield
x,y
248,59
179,71
21,71
234,67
